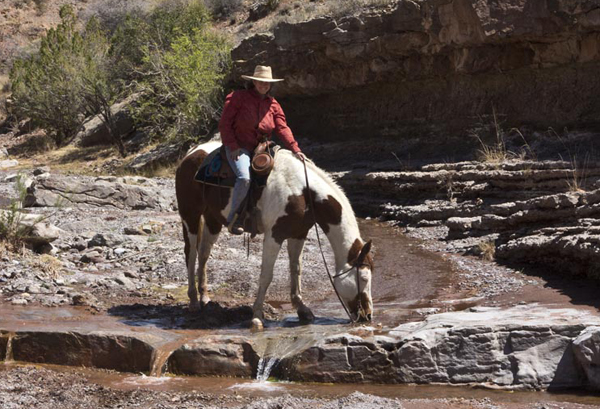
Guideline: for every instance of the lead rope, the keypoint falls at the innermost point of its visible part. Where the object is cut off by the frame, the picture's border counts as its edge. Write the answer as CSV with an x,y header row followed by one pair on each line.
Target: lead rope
x,y
312,204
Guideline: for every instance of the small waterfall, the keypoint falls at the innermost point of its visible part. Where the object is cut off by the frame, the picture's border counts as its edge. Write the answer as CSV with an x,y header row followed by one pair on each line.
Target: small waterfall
x,y
265,366
159,361
274,348
9,349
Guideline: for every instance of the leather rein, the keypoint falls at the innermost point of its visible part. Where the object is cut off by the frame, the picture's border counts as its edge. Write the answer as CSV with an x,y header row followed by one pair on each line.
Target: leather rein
x,y
356,265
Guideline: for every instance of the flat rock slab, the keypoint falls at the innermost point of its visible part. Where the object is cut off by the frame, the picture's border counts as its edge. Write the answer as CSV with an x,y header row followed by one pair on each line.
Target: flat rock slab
x,y
522,347
119,193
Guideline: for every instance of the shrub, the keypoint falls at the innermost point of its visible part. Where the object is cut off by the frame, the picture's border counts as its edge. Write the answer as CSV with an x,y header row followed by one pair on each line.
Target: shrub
x,y
177,64
182,90
49,86
12,231
223,7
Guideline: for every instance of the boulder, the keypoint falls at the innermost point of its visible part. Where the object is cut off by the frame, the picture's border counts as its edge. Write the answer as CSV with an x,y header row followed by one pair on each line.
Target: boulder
x,y
215,356
587,352
162,154
95,132
102,192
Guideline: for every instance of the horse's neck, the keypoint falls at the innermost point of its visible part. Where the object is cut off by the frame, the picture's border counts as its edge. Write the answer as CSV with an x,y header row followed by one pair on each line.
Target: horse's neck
x,y
342,237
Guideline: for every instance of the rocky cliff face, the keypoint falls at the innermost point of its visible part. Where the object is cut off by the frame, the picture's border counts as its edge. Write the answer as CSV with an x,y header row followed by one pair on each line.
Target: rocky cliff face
x,y
435,64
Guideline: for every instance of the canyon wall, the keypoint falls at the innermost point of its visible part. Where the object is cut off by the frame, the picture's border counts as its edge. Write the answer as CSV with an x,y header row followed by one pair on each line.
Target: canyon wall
x,y
435,65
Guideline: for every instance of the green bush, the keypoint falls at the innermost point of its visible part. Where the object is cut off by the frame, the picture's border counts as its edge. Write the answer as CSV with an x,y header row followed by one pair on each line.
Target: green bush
x,y
12,231
50,86
169,54
177,64
182,91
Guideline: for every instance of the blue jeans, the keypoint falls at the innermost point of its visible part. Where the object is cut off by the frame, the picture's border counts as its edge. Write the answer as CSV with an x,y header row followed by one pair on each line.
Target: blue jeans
x,y
241,168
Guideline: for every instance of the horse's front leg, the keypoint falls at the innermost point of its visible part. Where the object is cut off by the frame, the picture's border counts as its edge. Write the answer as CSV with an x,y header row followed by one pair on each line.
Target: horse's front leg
x,y
270,251
190,249
209,233
295,248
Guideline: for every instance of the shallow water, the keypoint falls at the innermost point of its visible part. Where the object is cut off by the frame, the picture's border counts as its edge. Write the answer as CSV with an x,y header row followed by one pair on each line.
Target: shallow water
x,y
252,388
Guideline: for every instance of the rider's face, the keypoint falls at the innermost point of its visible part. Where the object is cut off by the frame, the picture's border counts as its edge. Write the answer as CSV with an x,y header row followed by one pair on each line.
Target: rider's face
x,y
262,87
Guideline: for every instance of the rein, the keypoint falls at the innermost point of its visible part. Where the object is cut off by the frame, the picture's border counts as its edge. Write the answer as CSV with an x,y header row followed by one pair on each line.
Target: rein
x,y
357,265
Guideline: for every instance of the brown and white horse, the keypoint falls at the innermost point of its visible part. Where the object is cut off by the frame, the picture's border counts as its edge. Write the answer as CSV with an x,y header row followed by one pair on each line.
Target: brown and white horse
x,y
284,213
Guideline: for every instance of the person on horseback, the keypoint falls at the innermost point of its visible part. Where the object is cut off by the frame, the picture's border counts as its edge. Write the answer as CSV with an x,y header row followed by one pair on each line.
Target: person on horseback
x,y
249,116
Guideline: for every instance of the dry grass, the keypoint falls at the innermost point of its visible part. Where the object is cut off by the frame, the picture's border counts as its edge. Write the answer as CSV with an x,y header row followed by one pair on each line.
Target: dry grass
x,y
497,151
487,250
50,266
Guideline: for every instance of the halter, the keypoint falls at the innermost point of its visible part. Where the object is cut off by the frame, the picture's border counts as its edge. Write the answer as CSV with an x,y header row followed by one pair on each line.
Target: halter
x,y
356,265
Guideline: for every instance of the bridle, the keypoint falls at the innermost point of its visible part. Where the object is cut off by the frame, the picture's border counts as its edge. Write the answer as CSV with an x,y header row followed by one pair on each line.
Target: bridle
x,y
356,265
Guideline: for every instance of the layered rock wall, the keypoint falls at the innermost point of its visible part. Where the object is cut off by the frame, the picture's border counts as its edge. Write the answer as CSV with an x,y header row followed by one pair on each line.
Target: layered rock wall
x,y
435,64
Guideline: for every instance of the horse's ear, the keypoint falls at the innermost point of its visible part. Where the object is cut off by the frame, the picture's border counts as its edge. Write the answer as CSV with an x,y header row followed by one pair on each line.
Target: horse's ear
x,y
365,250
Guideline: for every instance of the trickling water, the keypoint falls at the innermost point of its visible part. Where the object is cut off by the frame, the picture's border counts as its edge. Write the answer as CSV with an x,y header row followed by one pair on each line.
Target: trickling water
x,y
265,366
9,349
159,362
274,348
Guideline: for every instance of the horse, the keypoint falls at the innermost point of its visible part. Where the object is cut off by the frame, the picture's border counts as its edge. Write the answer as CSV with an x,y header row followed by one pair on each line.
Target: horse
x,y
285,212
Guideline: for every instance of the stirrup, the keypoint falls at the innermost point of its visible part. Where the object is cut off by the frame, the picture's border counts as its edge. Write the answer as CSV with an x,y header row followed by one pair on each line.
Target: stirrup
x,y
235,226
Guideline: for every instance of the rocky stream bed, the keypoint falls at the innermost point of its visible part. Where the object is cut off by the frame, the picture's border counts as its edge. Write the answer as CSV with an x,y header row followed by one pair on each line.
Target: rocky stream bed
x,y
106,289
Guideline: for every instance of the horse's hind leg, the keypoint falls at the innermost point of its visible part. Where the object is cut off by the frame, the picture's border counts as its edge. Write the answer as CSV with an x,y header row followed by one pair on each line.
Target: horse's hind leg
x,y
270,250
295,248
209,233
190,250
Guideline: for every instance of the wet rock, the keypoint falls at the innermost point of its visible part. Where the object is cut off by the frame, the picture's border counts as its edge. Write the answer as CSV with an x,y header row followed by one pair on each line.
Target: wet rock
x,y
215,356
84,299
523,346
587,352
3,344
98,349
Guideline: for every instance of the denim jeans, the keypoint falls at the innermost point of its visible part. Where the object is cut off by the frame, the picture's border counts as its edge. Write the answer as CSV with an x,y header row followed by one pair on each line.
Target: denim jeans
x,y
241,168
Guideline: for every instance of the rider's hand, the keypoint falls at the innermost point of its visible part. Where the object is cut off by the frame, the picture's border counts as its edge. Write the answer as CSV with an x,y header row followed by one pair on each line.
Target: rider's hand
x,y
300,156
236,154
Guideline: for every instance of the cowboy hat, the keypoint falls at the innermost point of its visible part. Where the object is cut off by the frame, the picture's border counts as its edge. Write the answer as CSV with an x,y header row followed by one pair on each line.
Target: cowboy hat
x,y
262,73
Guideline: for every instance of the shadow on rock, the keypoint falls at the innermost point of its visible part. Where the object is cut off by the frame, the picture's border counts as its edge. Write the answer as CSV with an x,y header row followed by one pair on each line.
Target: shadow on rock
x,y
213,315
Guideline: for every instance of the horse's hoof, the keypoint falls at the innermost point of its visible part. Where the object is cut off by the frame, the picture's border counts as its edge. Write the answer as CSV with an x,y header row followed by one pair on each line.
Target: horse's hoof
x,y
204,300
305,315
256,325
194,306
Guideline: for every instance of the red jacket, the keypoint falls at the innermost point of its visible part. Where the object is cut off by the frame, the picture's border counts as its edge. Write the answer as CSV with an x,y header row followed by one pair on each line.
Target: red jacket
x,y
247,116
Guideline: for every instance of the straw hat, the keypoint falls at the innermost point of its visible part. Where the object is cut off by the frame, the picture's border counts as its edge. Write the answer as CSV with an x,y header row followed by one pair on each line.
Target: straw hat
x,y
262,73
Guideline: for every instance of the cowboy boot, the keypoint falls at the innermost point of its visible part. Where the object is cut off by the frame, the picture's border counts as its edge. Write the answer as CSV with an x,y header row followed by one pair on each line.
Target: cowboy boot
x,y
236,226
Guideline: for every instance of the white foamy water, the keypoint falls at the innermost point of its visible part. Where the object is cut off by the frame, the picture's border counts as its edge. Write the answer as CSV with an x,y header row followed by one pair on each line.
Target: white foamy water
x,y
144,380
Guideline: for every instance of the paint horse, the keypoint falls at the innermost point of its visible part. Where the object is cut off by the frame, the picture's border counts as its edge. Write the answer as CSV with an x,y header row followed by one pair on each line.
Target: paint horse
x,y
284,212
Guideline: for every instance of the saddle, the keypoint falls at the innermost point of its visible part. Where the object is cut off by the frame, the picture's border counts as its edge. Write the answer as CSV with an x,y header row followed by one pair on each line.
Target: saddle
x,y
215,170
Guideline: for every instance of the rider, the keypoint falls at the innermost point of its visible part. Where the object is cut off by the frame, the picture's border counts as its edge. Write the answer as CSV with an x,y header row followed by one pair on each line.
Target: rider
x,y
250,115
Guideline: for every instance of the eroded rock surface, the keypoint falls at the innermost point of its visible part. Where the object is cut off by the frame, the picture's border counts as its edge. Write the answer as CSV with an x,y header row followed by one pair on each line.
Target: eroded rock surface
x,y
121,193
434,64
521,211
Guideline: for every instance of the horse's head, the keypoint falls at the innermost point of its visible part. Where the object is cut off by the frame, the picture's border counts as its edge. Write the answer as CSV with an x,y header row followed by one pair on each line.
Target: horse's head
x,y
353,283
